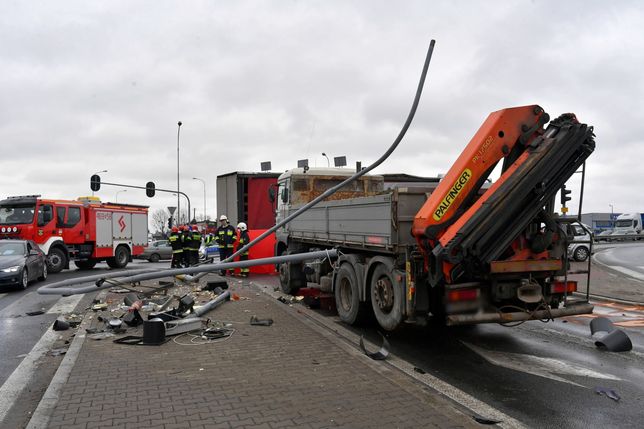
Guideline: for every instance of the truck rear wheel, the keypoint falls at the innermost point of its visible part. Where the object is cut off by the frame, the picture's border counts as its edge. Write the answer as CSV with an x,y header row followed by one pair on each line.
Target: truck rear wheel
x,y
386,299
291,277
87,264
347,295
121,257
56,259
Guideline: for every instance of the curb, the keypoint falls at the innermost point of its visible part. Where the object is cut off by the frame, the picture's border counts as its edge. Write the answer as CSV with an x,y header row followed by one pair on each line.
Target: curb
x,y
42,414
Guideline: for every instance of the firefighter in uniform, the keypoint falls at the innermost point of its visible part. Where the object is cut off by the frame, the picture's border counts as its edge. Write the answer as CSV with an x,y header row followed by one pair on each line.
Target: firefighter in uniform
x,y
244,239
196,243
177,248
187,245
225,237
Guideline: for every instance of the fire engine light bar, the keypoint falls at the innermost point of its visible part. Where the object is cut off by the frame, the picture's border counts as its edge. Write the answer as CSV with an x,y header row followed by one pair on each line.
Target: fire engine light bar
x,y
560,287
463,295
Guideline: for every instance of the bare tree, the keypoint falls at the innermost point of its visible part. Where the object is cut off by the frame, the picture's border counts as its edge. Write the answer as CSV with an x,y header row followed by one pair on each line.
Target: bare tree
x,y
160,220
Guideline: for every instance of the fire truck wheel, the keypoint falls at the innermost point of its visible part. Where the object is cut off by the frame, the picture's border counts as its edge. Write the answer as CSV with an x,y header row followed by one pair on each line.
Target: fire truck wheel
x,y
386,299
87,264
347,295
121,257
56,260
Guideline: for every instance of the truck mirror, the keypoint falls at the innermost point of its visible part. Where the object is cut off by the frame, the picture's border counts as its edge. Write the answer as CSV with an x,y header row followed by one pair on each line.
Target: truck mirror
x,y
271,195
285,195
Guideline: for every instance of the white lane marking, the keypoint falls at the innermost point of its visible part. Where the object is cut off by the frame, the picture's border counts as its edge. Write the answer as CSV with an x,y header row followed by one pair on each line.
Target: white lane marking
x,y
539,366
22,375
2,295
65,304
631,273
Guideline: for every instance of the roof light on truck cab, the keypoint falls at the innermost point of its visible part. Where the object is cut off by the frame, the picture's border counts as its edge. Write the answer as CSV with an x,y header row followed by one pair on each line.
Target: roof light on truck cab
x,y
463,295
560,287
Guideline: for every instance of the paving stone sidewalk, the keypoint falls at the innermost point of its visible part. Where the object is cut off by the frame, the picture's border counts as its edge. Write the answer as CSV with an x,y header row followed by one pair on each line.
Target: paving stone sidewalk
x,y
287,375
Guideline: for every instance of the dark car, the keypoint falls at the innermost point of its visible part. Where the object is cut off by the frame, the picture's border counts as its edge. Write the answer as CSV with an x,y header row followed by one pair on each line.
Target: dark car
x,y
156,251
21,261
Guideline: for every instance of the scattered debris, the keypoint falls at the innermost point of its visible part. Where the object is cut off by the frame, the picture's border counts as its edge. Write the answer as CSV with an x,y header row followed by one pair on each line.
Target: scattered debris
x,y
610,393
176,327
101,336
213,285
133,318
57,352
420,370
484,421
380,354
601,324
99,307
35,313
616,341
61,325
119,290
260,322
137,341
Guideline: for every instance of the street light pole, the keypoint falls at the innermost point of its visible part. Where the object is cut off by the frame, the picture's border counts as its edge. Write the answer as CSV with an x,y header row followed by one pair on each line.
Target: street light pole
x,y
98,172
611,216
204,196
178,200
116,197
328,163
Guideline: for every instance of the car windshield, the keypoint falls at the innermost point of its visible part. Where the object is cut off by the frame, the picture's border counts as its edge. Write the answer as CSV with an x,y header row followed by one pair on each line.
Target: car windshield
x,y
17,214
9,249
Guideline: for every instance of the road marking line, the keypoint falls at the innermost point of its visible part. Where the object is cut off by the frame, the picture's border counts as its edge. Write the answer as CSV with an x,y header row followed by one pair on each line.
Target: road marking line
x,y
631,273
537,365
65,304
22,375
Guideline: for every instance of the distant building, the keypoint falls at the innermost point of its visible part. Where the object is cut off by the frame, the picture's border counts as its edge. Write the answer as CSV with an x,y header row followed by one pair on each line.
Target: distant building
x,y
599,221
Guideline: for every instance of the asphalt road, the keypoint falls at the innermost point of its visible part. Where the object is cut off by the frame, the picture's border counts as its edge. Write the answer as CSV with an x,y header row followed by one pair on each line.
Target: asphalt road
x,y
627,258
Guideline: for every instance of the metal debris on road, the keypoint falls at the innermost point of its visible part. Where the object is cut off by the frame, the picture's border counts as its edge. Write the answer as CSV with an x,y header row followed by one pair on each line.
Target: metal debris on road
x,y
260,322
57,352
60,325
380,354
609,393
35,313
616,341
484,421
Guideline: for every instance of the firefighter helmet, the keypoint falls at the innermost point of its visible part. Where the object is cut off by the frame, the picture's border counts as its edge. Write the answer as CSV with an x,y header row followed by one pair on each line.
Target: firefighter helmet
x,y
175,229
242,226
223,217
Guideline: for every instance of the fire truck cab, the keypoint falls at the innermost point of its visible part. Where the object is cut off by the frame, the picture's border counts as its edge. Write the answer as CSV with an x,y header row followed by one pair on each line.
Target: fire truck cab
x,y
85,230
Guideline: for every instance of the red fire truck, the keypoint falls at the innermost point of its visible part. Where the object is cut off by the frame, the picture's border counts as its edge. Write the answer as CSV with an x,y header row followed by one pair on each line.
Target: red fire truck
x,y
85,231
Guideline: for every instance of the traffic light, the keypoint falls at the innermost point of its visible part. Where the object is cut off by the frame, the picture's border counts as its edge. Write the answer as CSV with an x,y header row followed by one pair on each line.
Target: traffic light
x,y
564,195
95,182
149,189
170,222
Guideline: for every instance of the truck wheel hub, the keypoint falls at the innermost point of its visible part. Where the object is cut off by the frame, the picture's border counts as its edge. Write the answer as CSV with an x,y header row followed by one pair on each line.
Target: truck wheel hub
x,y
384,294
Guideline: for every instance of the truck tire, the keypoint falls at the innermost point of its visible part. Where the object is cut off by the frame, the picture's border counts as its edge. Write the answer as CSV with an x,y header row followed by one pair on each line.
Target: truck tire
x,y
121,257
291,277
386,299
347,295
56,259
581,254
87,264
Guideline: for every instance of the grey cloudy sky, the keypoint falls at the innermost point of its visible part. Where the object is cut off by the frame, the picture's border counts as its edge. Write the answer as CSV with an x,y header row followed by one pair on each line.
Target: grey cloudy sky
x,y
88,86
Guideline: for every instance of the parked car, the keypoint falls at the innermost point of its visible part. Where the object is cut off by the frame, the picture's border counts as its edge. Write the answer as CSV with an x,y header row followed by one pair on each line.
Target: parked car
x,y
157,250
604,235
579,247
21,261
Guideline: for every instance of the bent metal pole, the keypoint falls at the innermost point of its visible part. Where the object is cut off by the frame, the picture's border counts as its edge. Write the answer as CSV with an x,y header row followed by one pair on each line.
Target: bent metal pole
x,y
65,287
356,176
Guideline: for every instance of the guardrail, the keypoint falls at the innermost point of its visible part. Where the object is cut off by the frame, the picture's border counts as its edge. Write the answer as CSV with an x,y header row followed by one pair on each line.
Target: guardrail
x,y
623,237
